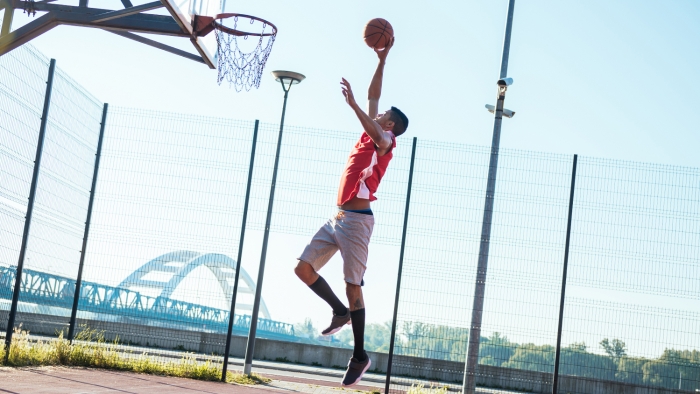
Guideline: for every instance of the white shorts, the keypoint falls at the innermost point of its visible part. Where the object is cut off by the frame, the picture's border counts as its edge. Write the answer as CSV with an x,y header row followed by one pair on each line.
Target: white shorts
x,y
348,232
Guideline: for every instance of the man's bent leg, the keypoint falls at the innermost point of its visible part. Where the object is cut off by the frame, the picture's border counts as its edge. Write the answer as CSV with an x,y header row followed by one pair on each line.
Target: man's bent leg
x,y
318,285
357,315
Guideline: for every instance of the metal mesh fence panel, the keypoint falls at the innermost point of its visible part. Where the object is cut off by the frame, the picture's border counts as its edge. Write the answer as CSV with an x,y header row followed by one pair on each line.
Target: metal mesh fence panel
x,y
525,267
54,242
160,263
525,256
60,208
436,284
23,76
632,310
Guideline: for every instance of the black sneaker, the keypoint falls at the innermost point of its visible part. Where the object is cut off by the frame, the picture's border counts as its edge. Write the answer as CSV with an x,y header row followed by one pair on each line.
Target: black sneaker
x,y
356,369
337,323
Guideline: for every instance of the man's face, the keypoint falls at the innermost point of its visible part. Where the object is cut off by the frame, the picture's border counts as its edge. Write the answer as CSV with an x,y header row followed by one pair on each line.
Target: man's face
x,y
383,118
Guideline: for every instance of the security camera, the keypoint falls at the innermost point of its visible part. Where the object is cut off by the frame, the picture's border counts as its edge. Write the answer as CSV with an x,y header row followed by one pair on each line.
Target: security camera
x,y
506,112
505,81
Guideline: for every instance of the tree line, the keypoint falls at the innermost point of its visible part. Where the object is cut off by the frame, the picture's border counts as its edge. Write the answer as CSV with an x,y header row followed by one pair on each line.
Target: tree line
x,y
672,369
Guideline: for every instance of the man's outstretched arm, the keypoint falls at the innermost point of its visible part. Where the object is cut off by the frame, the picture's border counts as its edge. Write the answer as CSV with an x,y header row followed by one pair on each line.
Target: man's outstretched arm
x,y
372,128
375,87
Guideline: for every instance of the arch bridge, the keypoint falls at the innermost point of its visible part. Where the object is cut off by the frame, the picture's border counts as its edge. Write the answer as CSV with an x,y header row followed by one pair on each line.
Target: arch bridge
x,y
125,301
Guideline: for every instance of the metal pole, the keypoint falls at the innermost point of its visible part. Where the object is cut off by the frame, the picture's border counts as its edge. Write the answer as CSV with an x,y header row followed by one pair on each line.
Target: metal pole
x,y
7,20
398,280
248,364
240,254
555,383
506,40
30,209
79,281
469,386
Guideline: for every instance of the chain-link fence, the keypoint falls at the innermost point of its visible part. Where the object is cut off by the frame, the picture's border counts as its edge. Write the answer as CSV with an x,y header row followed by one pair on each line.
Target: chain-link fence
x,y
164,246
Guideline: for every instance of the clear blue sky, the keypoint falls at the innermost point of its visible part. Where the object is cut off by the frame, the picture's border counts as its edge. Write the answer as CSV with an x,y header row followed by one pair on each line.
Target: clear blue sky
x,y
600,78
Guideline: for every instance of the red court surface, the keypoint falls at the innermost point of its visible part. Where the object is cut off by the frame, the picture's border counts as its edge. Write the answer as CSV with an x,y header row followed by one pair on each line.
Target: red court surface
x,y
57,380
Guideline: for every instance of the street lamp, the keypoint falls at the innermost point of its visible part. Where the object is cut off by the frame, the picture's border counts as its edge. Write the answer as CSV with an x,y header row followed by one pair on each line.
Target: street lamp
x,y
286,79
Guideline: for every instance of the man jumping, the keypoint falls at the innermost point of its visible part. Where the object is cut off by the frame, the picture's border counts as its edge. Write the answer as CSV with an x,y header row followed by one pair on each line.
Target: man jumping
x,y
351,228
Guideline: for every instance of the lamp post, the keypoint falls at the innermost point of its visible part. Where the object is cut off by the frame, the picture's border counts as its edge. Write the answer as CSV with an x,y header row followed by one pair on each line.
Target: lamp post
x,y
286,79
470,369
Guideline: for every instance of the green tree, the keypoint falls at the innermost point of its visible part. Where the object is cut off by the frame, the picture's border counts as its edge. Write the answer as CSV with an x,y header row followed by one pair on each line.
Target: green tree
x,y
578,347
629,370
674,367
532,357
377,337
433,341
615,348
575,360
306,329
496,350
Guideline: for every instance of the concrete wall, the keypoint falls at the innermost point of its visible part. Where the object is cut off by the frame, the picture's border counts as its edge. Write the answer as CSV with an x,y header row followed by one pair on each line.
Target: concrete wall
x,y
419,368
573,384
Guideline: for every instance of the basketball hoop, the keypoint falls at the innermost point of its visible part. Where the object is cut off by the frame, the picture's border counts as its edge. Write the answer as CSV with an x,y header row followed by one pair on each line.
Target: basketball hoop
x,y
240,65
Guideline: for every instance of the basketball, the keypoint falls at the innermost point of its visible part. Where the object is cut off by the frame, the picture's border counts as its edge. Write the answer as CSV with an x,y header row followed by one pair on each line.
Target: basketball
x,y
377,33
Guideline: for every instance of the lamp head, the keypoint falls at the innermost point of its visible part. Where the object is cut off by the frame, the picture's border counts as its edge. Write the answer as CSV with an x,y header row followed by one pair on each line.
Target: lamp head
x,y
288,77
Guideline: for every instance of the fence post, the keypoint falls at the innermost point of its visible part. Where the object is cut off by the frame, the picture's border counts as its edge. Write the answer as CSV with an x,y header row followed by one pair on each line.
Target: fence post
x,y
398,279
79,280
30,208
555,381
240,254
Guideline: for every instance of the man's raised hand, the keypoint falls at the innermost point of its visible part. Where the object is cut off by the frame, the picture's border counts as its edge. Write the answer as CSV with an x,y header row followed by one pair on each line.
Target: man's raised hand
x,y
347,92
385,52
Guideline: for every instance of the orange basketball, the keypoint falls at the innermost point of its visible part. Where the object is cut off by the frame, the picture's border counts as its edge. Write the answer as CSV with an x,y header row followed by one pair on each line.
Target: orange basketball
x,y
377,33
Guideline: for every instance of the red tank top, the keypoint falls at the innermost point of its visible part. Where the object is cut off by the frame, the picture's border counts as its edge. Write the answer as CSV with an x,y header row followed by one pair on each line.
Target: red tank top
x,y
364,170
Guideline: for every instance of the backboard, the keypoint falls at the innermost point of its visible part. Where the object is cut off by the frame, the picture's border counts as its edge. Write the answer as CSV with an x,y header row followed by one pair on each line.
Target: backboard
x,y
183,11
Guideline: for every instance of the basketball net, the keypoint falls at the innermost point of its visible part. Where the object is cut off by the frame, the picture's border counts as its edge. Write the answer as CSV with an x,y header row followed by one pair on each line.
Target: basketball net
x,y
241,68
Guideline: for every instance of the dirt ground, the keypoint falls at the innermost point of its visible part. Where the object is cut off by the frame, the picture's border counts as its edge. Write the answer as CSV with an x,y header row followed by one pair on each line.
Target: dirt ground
x,y
58,380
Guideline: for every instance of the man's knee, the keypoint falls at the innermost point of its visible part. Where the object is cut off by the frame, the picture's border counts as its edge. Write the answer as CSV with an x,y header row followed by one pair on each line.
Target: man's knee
x,y
352,291
305,272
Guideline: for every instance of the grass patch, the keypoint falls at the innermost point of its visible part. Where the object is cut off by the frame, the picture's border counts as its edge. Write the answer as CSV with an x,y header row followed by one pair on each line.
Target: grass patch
x,y
251,379
90,349
420,389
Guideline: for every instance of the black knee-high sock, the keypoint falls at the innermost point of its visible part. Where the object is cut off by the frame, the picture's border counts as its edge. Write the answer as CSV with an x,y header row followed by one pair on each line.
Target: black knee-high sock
x,y
323,290
358,332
